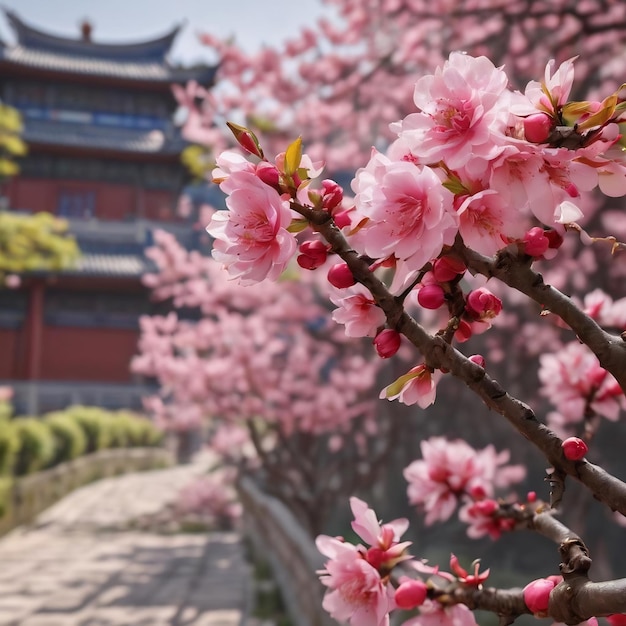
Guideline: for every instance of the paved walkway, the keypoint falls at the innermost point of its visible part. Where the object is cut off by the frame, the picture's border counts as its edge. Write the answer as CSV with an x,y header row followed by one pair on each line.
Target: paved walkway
x,y
81,564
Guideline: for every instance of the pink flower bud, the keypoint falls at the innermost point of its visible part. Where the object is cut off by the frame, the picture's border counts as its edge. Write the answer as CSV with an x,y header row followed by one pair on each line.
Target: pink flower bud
x,y
486,507
531,496
268,173
246,139
478,492
411,594
463,332
332,194
431,296
340,276
537,127
387,343
375,557
535,242
574,449
555,239
478,359
448,268
312,254
482,304
537,595
342,218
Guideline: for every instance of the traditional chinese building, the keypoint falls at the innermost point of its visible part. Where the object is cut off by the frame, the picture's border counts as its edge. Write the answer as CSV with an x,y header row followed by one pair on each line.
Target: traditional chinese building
x,y
104,153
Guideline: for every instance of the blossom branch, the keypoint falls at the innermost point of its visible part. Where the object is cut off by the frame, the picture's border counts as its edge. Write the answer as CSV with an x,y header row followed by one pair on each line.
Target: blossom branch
x,y
513,268
440,355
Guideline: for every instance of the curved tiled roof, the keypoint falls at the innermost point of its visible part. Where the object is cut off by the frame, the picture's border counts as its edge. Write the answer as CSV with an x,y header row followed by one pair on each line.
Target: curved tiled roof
x,y
30,37
144,61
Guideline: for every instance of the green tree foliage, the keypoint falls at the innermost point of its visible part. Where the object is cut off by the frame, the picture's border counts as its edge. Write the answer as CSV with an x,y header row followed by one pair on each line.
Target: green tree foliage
x,y
11,144
34,242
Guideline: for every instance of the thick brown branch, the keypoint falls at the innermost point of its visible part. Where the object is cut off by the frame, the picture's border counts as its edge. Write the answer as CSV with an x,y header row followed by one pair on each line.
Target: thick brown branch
x,y
440,355
514,269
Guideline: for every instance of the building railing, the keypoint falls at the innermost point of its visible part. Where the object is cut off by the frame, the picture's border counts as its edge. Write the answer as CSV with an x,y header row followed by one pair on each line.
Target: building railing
x,y
281,540
37,397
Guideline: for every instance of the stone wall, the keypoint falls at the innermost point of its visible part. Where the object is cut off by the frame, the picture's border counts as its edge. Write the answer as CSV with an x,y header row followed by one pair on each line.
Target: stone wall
x,y
291,553
30,495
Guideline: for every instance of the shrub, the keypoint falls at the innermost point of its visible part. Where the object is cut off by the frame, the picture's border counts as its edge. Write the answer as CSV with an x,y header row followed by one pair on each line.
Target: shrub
x,y
93,422
140,431
69,439
6,492
36,445
9,445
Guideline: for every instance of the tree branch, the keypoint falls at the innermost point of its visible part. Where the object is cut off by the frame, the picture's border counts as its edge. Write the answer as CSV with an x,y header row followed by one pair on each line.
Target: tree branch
x,y
513,269
440,355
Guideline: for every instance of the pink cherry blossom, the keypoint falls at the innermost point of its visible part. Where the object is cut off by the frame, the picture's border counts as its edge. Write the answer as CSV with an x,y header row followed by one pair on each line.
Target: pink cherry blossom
x,y
573,381
432,613
357,310
367,526
252,240
450,470
549,95
463,113
356,592
401,209
487,221
417,386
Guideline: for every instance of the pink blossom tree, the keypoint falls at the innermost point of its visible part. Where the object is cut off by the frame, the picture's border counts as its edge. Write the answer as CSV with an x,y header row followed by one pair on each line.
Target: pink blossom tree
x,y
342,80
480,185
279,387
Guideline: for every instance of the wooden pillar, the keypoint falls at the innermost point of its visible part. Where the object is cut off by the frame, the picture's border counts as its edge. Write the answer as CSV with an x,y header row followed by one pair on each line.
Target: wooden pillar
x,y
34,330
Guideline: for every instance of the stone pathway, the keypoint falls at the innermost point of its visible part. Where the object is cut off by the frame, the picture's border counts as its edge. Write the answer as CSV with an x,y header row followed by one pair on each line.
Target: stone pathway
x,y
81,564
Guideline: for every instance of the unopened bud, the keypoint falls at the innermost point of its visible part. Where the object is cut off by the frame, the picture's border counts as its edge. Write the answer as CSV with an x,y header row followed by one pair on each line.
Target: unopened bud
x,y
340,276
332,194
411,594
448,268
246,139
387,343
555,239
482,304
268,173
463,332
431,296
537,127
342,218
478,359
574,449
312,255
537,595
535,242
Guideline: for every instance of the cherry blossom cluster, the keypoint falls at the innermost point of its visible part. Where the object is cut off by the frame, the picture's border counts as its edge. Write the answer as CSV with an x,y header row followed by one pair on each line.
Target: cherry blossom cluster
x,y
367,583
327,79
256,353
452,473
476,163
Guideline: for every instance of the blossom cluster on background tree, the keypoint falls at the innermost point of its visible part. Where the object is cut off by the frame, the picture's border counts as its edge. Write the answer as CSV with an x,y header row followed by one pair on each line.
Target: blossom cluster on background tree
x,y
481,181
275,382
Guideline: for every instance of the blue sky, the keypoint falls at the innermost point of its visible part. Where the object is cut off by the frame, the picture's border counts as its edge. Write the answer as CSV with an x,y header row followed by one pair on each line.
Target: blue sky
x,y
253,22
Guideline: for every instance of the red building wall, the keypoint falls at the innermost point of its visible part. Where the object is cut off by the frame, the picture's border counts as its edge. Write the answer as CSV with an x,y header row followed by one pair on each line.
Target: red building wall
x,y
87,354
112,202
76,354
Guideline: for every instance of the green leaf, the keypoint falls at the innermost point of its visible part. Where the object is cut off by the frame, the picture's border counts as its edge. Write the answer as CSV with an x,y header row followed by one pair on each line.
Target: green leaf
x,y
293,156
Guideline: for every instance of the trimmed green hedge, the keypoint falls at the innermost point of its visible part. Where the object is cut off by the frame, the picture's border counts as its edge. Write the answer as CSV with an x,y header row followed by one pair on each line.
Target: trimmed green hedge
x,y
30,444
36,445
